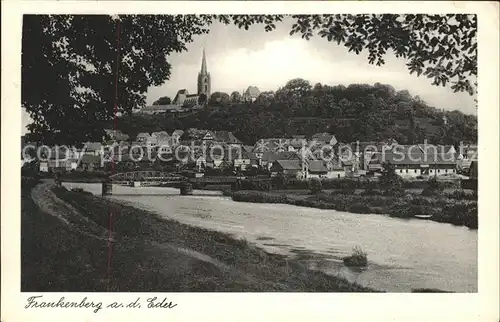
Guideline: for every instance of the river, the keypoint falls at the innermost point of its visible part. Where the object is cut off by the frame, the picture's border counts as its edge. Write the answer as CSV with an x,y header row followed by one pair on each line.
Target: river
x,y
402,254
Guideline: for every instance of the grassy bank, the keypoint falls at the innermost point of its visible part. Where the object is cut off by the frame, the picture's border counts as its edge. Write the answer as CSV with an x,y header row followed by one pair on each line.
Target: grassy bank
x,y
446,208
146,256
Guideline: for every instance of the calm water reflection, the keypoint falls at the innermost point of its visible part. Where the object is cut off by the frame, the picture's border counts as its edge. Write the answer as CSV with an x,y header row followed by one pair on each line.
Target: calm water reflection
x,y
402,254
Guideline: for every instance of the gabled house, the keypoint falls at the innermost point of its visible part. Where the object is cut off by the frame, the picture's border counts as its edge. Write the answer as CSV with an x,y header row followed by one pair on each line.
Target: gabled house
x,y
271,145
194,134
350,159
90,162
296,143
335,169
268,158
143,137
226,137
147,140
288,168
115,135
162,138
316,169
246,161
176,136
414,162
466,155
61,164
92,148
325,138
247,148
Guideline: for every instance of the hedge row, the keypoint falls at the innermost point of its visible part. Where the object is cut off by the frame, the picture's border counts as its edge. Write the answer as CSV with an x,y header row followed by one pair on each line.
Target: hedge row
x,y
457,212
343,184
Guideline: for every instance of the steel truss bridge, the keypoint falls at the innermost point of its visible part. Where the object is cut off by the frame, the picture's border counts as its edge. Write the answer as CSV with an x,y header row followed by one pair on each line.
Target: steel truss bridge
x,y
161,177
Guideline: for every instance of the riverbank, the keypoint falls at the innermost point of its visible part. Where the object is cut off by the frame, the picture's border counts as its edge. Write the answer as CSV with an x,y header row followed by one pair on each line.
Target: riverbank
x,y
65,248
445,209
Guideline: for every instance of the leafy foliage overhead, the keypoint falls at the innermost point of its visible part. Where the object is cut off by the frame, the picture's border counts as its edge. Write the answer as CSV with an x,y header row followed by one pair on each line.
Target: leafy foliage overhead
x,y
79,70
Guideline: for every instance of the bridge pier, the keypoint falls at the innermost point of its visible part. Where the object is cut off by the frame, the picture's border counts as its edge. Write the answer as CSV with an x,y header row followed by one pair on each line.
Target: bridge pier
x,y
186,189
107,188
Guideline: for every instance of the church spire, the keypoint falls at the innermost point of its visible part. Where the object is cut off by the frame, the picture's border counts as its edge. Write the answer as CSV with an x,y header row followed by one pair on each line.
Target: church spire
x,y
204,64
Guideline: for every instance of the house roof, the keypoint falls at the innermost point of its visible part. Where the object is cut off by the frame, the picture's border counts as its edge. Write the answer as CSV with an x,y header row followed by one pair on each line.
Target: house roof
x,y
93,146
116,134
143,135
272,145
317,166
87,159
289,164
430,148
274,156
226,136
417,157
247,148
324,137
178,132
161,134
298,142
194,134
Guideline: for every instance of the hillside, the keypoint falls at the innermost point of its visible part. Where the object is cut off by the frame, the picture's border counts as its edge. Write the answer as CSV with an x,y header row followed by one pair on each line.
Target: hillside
x,y
356,112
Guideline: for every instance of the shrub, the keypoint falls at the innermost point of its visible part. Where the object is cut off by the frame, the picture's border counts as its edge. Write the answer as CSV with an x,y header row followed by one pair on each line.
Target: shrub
x,y
358,258
347,191
29,182
459,213
315,185
462,194
359,208
395,191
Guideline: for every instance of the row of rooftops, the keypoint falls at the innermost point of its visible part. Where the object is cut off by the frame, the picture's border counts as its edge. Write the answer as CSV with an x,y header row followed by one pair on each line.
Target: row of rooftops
x,y
274,149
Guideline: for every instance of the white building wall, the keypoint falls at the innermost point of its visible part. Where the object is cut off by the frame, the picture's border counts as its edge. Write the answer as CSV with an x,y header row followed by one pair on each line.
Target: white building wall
x,y
335,174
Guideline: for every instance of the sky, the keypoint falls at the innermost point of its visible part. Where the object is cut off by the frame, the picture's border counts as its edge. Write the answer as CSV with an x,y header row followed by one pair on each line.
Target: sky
x,y
238,58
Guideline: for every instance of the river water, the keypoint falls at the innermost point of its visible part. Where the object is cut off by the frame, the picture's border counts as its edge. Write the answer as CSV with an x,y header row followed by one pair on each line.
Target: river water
x,y
402,254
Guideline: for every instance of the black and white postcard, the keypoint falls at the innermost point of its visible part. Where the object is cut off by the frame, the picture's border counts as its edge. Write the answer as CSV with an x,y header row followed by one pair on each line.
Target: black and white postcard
x,y
250,161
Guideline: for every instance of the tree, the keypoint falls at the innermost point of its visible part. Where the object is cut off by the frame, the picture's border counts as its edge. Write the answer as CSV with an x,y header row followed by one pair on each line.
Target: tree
x,y
235,97
434,188
265,99
390,183
165,100
79,70
220,99
315,185
293,90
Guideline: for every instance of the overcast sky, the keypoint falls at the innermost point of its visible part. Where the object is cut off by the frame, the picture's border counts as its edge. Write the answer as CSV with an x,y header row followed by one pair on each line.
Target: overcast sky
x,y
237,58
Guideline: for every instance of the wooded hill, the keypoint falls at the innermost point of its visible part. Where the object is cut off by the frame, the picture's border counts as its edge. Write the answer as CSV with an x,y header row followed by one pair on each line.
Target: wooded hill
x,y
356,112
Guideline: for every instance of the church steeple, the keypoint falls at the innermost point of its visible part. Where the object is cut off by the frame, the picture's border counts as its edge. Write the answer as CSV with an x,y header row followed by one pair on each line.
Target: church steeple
x,y
204,64
204,82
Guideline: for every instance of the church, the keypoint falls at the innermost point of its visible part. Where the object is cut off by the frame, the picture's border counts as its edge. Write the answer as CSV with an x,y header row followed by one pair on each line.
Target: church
x,y
184,101
183,98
